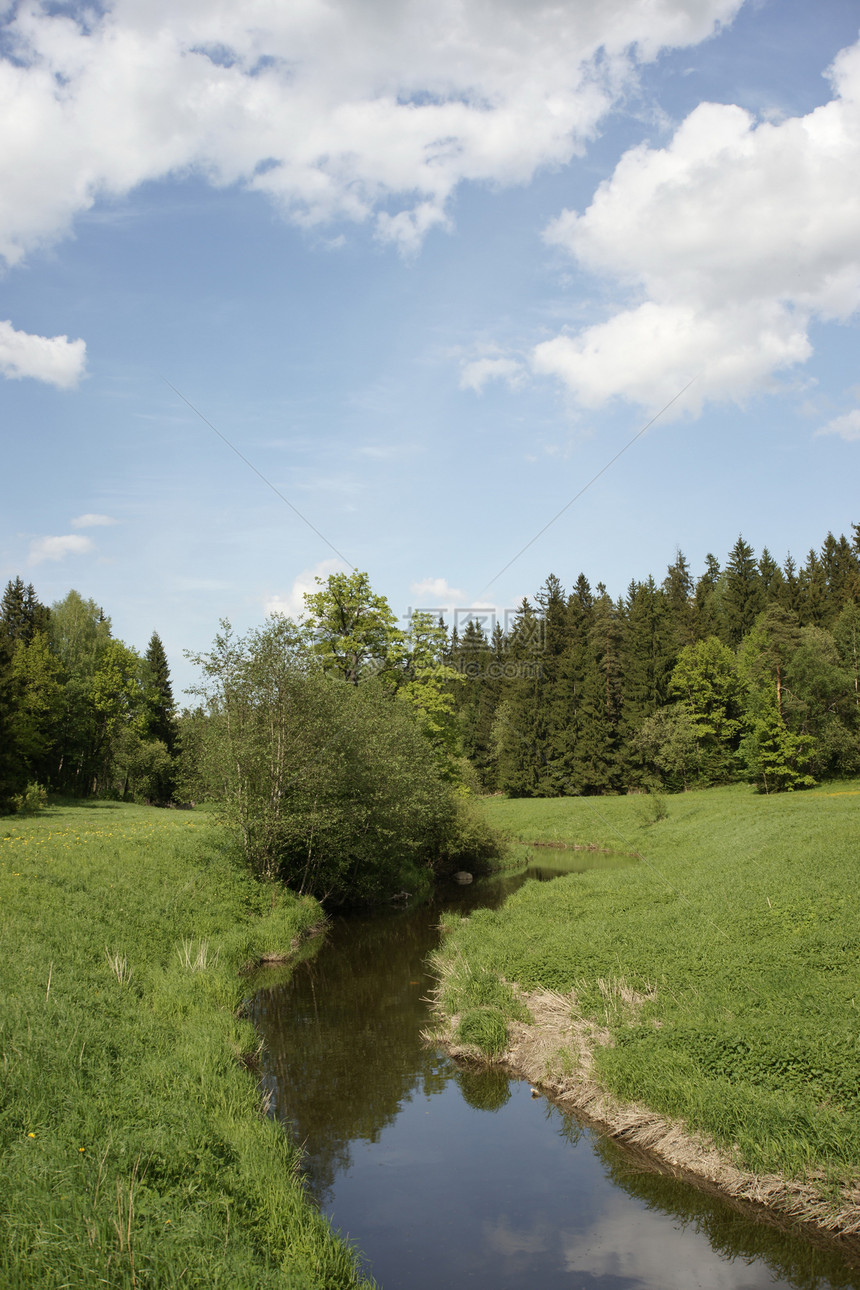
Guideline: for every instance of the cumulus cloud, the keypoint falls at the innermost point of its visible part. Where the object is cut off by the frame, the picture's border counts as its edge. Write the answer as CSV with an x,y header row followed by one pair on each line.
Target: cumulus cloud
x,y
91,521
57,548
436,594
847,426
476,374
53,359
292,603
728,243
336,110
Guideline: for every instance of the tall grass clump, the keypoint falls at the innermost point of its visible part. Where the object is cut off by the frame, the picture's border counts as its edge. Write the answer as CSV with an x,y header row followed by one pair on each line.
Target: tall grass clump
x,y
133,1151
722,961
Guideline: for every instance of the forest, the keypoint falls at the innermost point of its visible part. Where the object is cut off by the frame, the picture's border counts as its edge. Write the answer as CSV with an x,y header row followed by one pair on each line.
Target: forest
x,y
343,750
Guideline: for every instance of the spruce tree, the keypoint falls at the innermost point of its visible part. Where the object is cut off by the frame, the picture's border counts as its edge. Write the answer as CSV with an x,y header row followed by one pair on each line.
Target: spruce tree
x,y
678,592
812,592
21,613
520,726
742,598
596,759
160,704
707,600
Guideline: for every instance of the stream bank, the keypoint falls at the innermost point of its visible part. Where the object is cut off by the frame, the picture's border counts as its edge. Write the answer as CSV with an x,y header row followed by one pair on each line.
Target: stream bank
x,y
444,1174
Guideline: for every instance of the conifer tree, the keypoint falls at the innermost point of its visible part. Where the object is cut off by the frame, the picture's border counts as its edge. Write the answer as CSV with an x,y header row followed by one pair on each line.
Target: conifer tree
x,y
678,591
707,600
21,613
812,592
596,756
520,725
161,708
742,597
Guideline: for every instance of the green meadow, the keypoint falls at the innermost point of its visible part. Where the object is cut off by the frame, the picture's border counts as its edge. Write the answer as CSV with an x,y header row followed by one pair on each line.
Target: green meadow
x,y
134,1150
724,960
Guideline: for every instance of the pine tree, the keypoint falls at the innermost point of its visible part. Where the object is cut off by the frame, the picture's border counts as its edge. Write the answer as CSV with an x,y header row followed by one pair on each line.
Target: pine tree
x,y
842,573
812,592
707,600
742,597
520,727
649,655
596,756
678,591
21,613
161,724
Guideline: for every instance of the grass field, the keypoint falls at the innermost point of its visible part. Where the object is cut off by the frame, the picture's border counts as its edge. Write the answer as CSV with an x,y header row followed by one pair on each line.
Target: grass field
x,y
133,1151
724,962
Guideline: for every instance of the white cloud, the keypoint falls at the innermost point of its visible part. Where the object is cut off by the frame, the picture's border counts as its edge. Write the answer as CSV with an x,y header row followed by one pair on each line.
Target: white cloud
x,y
474,375
436,594
57,548
53,359
731,241
292,605
91,521
846,426
372,111
646,1247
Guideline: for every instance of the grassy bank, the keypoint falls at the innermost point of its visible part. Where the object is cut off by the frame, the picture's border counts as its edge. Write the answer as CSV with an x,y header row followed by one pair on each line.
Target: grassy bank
x,y
133,1148
715,980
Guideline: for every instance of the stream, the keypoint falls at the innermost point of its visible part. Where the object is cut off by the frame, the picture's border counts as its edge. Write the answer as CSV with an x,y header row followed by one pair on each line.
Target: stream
x,y
446,1177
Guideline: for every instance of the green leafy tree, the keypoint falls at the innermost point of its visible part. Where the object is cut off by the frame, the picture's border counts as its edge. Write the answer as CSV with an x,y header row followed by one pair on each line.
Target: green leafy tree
x,y
669,745
38,677
356,630
332,787
426,682
820,702
706,683
777,760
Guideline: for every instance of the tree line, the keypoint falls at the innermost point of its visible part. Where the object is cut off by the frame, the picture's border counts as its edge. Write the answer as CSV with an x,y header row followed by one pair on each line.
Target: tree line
x,y
342,749
330,746
80,712
750,671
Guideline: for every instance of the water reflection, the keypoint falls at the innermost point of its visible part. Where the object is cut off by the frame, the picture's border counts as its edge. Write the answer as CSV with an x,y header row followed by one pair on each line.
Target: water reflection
x,y
452,1176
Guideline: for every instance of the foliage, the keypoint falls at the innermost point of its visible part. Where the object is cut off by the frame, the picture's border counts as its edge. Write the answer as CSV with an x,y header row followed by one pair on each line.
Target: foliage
x,y
333,786
81,712
672,685
355,630
33,799
132,1148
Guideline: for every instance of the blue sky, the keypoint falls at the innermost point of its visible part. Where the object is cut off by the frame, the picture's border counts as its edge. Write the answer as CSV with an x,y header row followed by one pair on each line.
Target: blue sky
x,y
429,267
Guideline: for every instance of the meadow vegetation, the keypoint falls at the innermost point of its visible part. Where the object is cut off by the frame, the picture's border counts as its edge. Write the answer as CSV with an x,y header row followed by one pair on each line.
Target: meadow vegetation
x,y
722,964
134,1150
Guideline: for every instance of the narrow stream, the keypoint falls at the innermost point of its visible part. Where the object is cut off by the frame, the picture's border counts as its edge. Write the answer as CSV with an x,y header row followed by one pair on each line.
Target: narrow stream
x,y
451,1178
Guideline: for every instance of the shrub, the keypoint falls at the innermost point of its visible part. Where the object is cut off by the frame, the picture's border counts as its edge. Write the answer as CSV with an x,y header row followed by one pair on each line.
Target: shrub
x,y
33,799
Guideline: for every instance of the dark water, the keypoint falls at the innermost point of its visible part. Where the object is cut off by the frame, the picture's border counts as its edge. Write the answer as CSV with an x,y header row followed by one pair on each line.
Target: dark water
x,y
450,1178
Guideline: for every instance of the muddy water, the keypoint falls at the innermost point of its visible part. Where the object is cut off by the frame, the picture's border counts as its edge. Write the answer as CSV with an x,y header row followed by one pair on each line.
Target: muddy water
x,y
448,1178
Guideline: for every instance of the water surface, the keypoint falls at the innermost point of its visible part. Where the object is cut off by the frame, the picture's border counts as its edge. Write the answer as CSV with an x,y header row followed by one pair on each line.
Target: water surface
x,y
449,1177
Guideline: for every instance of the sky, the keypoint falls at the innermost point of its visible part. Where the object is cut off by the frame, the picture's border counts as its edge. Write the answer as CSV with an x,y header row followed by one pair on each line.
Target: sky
x,y
398,285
